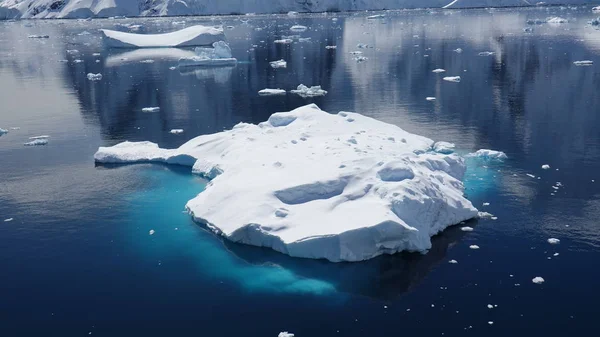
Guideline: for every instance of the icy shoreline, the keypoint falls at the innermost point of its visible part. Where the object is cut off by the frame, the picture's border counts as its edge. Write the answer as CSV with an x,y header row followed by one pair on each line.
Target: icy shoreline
x,y
310,184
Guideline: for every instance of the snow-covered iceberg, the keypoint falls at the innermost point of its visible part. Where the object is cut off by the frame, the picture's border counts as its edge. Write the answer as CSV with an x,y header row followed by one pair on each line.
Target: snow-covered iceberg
x,y
343,187
217,56
192,36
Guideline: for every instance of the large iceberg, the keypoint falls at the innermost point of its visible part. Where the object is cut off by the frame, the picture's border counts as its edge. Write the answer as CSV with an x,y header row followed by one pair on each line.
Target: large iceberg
x,y
342,187
191,36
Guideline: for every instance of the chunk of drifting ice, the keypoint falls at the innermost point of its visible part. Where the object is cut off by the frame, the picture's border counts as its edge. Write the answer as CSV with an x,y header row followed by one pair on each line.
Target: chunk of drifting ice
x,y
486,204
147,61
40,137
176,131
538,280
151,232
458,50
485,215
94,77
583,63
271,92
293,14
452,79
444,147
490,306
191,36
151,109
377,16
466,229
305,91
360,59
545,167
453,261
330,47
339,214
553,241
298,28
278,64
285,334
486,53
556,20
39,36
596,9
474,246
37,142
3,131
217,56
430,98
439,70
8,220
488,154
283,41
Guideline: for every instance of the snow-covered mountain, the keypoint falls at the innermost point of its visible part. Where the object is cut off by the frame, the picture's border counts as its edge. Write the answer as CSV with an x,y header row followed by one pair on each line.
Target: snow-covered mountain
x,y
10,9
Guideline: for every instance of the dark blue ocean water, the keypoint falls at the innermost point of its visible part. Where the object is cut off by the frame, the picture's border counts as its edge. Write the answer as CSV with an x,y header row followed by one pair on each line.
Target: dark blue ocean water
x,y
77,258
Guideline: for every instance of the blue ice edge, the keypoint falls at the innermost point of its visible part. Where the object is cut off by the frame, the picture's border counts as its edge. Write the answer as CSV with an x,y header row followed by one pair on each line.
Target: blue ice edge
x,y
159,206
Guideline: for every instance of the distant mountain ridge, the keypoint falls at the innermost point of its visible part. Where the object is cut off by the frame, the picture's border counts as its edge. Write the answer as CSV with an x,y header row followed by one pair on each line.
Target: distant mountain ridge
x,y
47,9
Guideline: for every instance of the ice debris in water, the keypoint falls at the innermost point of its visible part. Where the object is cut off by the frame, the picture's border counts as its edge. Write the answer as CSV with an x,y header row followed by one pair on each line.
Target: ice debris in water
x,y
444,147
151,109
218,55
596,9
486,53
583,63
8,220
545,167
458,50
283,41
3,131
360,59
94,77
147,61
430,98
466,229
151,232
375,196
474,246
330,47
298,28
293,14
39,36
485,215
377,16
553,241
271,92
538,280
439,70
556,20
285,334
488,154
278,64
37,142
176,131
453,261
452,79
486,204
305,91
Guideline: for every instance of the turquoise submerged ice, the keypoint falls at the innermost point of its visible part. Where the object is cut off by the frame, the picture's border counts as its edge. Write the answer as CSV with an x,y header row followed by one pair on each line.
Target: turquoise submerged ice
x,y
310,184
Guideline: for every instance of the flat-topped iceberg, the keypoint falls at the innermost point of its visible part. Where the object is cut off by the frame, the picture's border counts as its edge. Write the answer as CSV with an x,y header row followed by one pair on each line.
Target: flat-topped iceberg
x,y
191,36
217,56
342,187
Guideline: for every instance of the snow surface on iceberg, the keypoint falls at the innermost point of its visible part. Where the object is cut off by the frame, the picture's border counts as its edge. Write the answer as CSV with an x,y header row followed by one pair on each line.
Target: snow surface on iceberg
x,y
191,36
310,184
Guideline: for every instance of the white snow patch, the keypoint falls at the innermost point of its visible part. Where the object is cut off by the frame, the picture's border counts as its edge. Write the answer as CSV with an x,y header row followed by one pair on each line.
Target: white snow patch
x,y
305,91
271,92
538,280
452,79
343,201
488,154
191,36
278,64
37,142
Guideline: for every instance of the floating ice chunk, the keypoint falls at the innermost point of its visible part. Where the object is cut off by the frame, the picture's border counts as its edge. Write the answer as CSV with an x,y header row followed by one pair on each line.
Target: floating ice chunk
x,y
176,131
555,254
37,142
466,229
191,36
583,63
147,61
556,20
360,59
39,36
486,53
357,52
285,334
40,137
151,232
3,131
538,280
283,41
490,306
439,70
305,91
293,14
94,77
458,50
486,204
545,167
298,28
376,16
304,39
452,79
430,98
474,246
491,323
271,92
349,214
278,64
453,261
553,241
8,220
444,147
485,215
528,30
151,109
330,47
217,56
530,175
596,9
488,154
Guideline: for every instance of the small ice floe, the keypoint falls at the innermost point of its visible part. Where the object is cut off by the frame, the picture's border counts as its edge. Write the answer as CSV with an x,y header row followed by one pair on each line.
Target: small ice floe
x,y
363,46
72,51
305,91
528,30
147,61
490,306
176,131
556,20
596,9
271,92
491,323
37,142
285,334
453,261
356,52
452,79
444,147
330,47
298,28
292,14
377,16
278,64
39,36
191,36
8,220
488,154
438,70
430,98
151,232
555,254
305,39
486,53
94,77
40,137
466,229
545,167
485,215
583,63
530,175
151,109
78,61
538,280
360,59
3,131
172,68
458,50
283,41
474,246
217,56
486,204
553,241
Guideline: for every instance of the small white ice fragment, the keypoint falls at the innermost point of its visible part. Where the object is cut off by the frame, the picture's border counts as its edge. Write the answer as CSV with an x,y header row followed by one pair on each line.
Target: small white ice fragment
x,y
490,306
555,254
151,232
271,92
39,36
452,79
8,220
466,229
305,91
556,20
453,261
430,98
538,280
283,41
458,50
488,154
439,70
583,63
94,77
278,64
553,241
151,109
360,59
147,61
484,215
176,131
377,16
545,167
330,47
474,246
298,28
292,14
285,334
3,131
36,142
486,204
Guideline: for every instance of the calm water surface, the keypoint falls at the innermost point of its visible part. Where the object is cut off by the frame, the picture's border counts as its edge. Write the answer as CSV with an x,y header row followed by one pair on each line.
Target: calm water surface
x,y
77,258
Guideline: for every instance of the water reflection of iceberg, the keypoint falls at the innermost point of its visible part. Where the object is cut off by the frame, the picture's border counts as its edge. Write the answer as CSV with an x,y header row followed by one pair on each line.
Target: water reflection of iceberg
x,y
219,74
137,55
